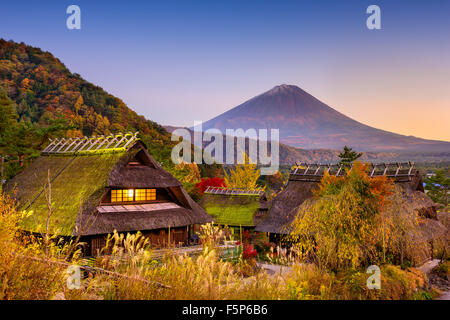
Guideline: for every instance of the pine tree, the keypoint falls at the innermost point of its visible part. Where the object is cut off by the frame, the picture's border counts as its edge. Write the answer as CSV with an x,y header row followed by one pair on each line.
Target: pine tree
x,y
8,119
348,156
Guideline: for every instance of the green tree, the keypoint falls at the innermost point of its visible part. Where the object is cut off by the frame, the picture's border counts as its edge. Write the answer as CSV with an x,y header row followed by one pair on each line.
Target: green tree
x,y
8,120
438,187
348,156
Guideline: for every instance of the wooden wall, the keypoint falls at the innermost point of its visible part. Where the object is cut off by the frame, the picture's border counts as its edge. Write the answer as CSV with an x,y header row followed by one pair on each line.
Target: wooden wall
x,y
158,238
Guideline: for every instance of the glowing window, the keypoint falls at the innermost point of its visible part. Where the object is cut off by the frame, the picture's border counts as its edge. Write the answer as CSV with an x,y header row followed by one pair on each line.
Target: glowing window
x,y
116,195
140,195
133,195
150,194
145,194
128,195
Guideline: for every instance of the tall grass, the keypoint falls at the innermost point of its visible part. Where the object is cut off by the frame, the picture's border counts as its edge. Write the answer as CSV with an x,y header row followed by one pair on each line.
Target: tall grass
x,y
34,269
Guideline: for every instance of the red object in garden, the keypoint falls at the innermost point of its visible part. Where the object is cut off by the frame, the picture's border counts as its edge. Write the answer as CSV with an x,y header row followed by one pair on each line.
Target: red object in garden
x,y
209,182
249,251
246,235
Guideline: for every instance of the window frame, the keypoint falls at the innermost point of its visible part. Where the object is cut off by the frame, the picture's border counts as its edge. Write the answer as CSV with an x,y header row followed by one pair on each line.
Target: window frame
x,y
121,195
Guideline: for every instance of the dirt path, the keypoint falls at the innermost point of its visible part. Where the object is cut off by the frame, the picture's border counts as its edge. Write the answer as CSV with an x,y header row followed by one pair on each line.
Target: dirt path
x,y
274,269
426,268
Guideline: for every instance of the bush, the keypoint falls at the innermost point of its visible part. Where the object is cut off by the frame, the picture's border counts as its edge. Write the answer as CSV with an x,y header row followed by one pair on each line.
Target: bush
x,y
442,270
338,229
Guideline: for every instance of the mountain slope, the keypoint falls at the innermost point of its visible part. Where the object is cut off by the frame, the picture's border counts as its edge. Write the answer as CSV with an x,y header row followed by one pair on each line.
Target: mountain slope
x,y
45,90
306,122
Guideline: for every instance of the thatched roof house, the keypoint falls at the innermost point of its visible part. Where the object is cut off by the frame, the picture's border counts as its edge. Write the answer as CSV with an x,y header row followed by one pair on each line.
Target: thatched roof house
x,y
235,207
304,178
101,184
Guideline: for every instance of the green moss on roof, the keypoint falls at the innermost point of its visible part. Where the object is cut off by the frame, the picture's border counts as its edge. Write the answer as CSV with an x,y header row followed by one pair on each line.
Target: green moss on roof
x,y
82,182
232,210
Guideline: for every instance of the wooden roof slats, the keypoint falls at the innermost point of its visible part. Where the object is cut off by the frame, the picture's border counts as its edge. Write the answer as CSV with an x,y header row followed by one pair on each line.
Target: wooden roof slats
x,y
315,171
233,191
112,140
71,144
96,144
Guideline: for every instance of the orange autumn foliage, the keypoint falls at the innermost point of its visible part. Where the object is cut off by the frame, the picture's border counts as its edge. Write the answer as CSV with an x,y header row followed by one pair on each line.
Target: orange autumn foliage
x,y
374,190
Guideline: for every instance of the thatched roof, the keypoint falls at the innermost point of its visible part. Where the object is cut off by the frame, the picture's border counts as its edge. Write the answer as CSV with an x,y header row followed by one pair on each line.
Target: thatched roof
x,y
151,175
285,206
238,209
78,183
127,221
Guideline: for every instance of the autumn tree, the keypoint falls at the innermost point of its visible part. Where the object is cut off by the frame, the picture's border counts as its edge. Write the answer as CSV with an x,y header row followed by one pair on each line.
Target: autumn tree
x,y
348,156
209,182
338,228
243,175
78,104
275,180
188,172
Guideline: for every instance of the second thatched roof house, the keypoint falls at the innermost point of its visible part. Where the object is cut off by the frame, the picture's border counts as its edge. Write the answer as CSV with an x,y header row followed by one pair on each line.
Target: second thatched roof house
x,y
100,184
304,178
235,208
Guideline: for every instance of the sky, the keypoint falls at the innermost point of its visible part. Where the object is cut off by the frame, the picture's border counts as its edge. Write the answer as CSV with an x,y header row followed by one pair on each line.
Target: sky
x,y
179,61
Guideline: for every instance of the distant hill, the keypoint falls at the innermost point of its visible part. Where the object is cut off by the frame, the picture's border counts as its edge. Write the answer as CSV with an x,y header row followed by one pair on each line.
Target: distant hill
x,y
305,122
44,89
290,155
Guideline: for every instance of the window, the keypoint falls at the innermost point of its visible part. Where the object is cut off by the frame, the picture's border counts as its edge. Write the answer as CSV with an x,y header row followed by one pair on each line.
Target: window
x,y
145,194
116,195
128,195
133,195
140,195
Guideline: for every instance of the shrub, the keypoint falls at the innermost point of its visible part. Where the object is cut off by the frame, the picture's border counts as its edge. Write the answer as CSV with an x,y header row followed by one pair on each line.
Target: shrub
x,y
209,182
336,229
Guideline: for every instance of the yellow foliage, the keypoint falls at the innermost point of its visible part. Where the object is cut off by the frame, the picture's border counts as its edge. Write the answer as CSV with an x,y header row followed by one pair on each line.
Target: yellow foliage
x,y
191,172
243,176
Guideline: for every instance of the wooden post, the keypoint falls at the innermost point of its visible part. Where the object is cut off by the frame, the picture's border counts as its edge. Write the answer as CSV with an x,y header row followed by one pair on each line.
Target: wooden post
x,y
188,230
169,237
242,244
2,173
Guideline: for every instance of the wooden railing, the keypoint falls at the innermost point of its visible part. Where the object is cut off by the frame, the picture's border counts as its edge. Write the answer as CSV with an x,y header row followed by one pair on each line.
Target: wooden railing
x,y
315,171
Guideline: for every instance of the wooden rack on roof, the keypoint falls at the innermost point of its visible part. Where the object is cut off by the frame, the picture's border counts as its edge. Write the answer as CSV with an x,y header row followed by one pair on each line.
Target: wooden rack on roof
x,y
233,191
94,144
315,171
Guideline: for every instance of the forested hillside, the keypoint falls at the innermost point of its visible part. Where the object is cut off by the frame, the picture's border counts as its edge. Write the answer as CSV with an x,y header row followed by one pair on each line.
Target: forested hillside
x,y
41,98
